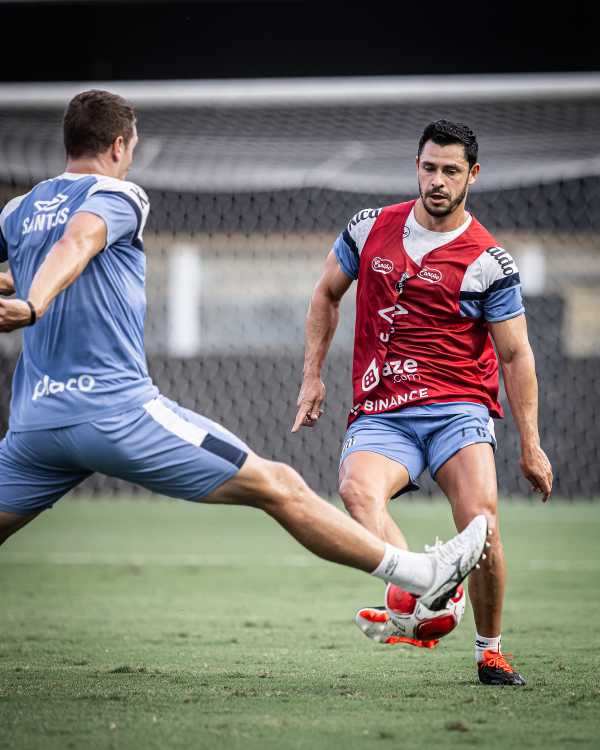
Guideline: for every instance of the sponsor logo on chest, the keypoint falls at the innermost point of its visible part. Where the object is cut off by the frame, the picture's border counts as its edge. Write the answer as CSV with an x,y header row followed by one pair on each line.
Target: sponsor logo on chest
x,y
382,265
432,275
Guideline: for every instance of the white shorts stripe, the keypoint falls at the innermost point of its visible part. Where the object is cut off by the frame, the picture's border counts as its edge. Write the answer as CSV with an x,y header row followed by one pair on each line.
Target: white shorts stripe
x,y
172,422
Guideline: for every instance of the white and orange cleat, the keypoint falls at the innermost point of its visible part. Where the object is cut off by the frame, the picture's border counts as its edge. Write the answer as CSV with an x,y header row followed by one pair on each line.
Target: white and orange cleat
x,y
377,625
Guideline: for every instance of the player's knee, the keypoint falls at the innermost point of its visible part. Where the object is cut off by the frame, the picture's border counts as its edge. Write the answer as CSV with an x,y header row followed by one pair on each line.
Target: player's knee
x,y
487,506
280,484
489,509
359,499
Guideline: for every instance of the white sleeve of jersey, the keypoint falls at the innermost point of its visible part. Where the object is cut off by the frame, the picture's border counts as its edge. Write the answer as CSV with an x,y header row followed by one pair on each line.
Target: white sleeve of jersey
x,y
491,287
11,206
131,192
488,271
359,227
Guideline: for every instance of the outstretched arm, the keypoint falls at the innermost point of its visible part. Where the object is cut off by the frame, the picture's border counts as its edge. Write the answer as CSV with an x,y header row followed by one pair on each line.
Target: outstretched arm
x,y
84,237
518,367
321,322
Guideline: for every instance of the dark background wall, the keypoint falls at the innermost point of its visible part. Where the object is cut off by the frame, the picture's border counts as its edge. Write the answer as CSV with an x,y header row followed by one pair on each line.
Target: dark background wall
x,y
137,40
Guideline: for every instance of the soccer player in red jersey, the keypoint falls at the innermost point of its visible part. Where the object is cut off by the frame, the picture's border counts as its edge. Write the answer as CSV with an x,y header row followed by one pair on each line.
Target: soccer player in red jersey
x,y
434,290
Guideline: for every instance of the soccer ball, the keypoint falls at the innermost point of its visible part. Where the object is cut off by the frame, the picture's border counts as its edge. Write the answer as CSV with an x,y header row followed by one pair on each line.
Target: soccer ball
x,y
414,620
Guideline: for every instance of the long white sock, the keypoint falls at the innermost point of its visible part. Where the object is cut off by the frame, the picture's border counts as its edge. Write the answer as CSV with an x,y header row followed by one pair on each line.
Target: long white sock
x,y
483,643
412,571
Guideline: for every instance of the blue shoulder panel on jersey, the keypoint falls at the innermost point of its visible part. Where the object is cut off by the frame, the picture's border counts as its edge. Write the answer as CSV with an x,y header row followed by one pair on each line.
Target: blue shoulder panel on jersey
x,y
346,252
509,281
503,305
501,301
349,240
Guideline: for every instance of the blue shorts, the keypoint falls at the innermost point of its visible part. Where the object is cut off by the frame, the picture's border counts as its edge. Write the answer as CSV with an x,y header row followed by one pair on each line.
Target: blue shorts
x,y
420,436
160,446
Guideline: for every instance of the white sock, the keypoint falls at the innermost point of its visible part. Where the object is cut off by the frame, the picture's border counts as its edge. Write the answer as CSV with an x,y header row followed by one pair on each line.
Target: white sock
x,y
412,571
483,643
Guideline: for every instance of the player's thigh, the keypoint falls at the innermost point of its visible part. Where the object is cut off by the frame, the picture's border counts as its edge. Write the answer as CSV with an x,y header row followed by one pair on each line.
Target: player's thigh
x,y
381,457
468,479
373,477
35,472
165,449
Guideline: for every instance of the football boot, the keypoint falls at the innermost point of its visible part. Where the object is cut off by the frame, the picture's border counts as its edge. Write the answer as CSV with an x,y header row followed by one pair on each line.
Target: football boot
x,y
377,625
453,561
495,670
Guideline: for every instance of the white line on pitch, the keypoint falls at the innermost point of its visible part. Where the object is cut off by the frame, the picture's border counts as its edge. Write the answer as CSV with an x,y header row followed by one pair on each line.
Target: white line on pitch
x,y
231,561
200,561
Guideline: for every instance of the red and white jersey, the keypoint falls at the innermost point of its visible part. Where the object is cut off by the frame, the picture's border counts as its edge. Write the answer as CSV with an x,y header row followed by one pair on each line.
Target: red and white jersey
x,y
421,332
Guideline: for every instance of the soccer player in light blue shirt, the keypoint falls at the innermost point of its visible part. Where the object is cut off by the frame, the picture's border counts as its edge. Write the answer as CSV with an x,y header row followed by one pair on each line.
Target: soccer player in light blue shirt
x,y
82,397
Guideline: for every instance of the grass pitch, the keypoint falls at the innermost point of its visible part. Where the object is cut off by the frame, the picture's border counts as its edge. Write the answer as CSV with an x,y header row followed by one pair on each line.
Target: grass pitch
x,y
164,625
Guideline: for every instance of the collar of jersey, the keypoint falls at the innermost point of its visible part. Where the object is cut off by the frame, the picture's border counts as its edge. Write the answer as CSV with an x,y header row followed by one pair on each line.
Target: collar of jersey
x,y
77,175
431,232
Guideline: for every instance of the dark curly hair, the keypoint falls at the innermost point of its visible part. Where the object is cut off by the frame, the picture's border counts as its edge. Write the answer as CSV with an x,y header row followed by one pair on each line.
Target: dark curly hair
x,y
444,132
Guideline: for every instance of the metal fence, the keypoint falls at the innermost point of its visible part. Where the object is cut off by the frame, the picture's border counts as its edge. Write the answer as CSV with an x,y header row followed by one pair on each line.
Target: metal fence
x,y
249,187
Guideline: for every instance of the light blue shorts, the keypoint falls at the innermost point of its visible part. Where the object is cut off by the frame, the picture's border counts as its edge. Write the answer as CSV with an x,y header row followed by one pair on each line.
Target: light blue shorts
x,y
160,446
420,437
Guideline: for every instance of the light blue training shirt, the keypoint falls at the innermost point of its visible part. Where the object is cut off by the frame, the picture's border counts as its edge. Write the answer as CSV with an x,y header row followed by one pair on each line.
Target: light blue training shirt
x,y
85,358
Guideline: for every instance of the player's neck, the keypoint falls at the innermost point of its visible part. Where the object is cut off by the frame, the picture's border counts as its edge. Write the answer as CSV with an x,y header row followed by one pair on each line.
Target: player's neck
x,y
92,165
447,223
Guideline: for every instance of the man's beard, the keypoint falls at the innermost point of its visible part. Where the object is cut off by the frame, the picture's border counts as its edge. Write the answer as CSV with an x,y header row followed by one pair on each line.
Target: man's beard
x,y
444,210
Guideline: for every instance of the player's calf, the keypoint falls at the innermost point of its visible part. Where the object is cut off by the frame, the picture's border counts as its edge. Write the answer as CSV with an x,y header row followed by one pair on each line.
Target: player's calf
x,y
322,528
331,534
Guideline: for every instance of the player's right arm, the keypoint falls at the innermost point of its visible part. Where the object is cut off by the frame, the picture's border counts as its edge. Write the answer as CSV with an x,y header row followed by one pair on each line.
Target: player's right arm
x,y
113,210
84,237
321,322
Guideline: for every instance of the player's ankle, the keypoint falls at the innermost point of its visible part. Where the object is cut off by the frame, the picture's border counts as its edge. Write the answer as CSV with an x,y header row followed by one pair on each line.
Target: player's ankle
x,y
486,643
412,571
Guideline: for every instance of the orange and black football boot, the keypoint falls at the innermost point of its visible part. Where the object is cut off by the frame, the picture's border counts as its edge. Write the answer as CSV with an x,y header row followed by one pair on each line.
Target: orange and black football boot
x,y
495,670
377,625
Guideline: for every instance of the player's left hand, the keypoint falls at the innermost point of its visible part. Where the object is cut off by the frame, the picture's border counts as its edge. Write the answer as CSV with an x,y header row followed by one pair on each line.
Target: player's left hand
x,y
7,285
537,470
14,313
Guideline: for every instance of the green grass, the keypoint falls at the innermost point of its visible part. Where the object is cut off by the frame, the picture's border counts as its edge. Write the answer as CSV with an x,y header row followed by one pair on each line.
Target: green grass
x,y
164,625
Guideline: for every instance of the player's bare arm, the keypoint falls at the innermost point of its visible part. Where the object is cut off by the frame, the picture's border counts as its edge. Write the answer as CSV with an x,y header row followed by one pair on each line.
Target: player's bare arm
x,y
518,368
7,285
322,319
84,237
